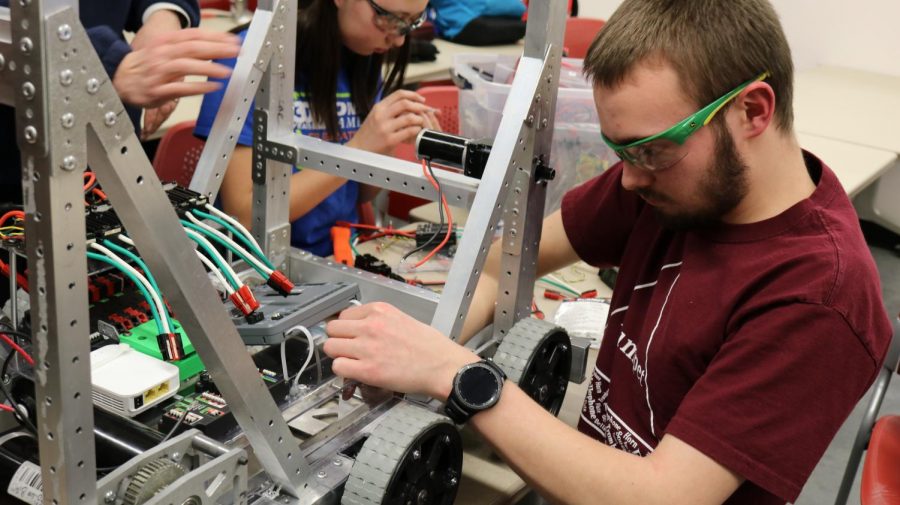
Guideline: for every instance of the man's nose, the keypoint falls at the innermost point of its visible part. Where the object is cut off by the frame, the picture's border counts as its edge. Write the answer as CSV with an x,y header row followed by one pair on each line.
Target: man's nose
x,y
634,177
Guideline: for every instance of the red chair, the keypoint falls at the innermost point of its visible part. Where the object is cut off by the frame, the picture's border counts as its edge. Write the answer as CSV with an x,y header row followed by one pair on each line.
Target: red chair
x,y
880,477
446,100
178,153
580,32
224,4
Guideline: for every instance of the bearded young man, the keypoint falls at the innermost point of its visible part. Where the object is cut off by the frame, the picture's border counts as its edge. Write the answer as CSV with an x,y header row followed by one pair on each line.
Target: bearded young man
x,y
746,321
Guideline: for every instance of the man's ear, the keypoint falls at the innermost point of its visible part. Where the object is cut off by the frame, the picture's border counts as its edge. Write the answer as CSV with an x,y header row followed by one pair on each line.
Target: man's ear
x,y
756,108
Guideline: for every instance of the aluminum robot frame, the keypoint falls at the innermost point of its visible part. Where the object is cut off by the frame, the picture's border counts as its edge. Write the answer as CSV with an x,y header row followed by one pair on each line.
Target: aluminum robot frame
x,y
68,115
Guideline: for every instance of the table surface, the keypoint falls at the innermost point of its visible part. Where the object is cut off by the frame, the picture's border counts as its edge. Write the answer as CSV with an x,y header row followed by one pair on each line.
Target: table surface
x,y
849,105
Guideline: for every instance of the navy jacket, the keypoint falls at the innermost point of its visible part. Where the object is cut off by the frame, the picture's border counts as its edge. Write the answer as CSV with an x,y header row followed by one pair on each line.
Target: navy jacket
x,y
104,21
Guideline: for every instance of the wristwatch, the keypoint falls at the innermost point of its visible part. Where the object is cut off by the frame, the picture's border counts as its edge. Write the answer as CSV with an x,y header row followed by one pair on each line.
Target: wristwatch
x,y
476,387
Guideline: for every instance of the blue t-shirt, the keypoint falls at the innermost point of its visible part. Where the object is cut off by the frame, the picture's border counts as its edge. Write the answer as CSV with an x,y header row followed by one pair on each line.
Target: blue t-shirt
x,y
312,232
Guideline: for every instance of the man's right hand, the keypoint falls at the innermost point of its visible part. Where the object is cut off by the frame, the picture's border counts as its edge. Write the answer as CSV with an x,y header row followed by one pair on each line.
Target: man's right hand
x,y
153,75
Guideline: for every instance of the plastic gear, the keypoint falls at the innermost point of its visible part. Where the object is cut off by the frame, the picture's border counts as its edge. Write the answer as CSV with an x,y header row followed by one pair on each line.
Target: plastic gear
x,y
537,355
151,479
412,456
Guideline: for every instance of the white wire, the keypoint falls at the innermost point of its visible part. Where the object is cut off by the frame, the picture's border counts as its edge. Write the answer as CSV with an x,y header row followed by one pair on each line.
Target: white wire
x,y
143,280
309,354
232,243
561,282
200,238
212,268
356,302
234,222
206,261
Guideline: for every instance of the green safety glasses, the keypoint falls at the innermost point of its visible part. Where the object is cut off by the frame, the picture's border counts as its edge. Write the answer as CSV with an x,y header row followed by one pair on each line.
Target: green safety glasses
x,y
661,151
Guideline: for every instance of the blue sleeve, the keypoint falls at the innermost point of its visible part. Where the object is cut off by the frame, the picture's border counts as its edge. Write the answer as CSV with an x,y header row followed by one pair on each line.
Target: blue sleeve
x,y
109,46
210,106
136,13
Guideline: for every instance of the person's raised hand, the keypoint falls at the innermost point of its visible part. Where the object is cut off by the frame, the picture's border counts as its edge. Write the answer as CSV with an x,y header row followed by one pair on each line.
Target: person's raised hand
x,y
154,74
392,121
378,345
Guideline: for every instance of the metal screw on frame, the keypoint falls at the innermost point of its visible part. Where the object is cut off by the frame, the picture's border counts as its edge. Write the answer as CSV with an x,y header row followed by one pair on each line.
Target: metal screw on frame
x,y
109,118
31,134
68,163
68,120
92,85
65,77
64,32
25,45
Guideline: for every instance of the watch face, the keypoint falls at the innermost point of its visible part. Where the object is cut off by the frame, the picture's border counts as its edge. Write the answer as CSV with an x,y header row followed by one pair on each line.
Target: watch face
x,y
478,386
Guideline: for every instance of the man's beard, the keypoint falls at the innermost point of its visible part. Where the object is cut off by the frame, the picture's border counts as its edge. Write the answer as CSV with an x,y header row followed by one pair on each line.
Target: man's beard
x,y
722,188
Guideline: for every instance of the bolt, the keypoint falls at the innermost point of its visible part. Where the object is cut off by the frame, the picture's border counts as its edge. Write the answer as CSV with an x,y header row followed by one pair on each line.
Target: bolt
x,y
93,85
110,496
337,462
109,118
28,90
513,232
24,3
564,348
65,77
175,456
453,481
2,62
25,45
64,31
544,123
422,498
68,163
416,455
530,120
537,98
31,134
321,474
68,120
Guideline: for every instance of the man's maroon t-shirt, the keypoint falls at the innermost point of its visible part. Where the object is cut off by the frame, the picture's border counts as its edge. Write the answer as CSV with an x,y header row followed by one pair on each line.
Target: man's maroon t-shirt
x,y
751,343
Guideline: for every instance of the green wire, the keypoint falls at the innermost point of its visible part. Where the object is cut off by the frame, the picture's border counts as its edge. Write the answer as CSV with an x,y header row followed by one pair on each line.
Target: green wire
x,y
240,236
137,282
230,247
560,286
215,257
353,247
140,263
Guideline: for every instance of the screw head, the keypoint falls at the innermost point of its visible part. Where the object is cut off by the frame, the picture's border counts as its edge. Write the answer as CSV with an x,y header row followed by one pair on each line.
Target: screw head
x,y
337,462
175,456
68,163
2,62
65,77
416,455
31,134
109,118
28,90
321,474
110,496
25,45
68,120
92,85
64,32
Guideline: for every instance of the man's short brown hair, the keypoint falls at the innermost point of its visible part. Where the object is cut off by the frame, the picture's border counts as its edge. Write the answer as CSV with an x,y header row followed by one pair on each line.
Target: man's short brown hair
x,y
713,45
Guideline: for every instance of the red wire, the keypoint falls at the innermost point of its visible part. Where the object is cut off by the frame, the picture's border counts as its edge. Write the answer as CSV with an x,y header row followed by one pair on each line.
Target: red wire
x,y
21,280
449,219
99,192
12,213
17,348
91,179
6,407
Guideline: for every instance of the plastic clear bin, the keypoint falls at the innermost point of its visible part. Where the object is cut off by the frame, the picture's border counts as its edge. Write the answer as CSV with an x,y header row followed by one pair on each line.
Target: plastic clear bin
x,y
578,151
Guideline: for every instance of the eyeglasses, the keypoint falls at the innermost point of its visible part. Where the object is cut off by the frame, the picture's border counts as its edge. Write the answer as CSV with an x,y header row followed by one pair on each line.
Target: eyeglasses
x,y
389,22
665,149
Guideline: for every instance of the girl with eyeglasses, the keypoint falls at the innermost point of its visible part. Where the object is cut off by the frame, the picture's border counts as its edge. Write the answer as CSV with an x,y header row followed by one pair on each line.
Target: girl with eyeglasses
x,y
350,61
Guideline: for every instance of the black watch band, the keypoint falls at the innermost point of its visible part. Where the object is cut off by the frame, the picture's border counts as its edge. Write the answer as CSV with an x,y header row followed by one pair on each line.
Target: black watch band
x,y
476,387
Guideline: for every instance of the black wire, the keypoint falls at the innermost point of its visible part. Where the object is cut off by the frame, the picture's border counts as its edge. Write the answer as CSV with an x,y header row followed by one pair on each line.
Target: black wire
x,y
13,331
18,413
177,423
440,200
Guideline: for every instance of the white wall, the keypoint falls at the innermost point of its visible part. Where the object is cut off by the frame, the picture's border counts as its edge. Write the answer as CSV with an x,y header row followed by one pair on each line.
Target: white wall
x,y
864,34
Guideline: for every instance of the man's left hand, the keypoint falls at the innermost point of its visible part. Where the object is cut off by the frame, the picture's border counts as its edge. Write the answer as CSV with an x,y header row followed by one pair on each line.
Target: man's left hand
x,y
379,345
